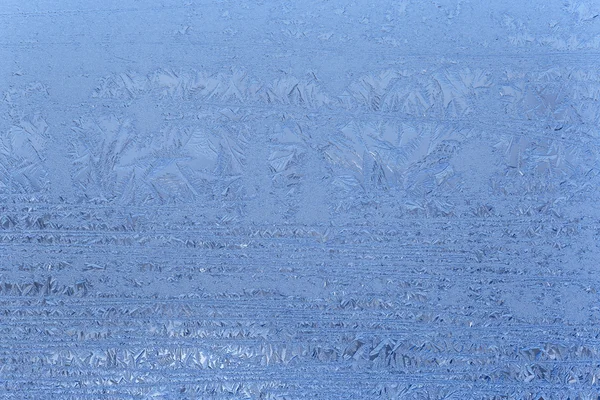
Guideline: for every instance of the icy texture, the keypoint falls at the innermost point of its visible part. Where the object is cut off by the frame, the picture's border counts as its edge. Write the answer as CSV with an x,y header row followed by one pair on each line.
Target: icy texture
x,y
299,199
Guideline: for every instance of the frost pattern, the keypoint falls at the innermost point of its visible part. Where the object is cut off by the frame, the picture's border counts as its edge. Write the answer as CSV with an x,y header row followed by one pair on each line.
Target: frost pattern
x,y
22,156
304,200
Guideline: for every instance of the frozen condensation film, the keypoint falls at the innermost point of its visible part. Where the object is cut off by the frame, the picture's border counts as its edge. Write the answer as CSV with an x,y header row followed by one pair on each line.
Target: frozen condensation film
x,y
205,199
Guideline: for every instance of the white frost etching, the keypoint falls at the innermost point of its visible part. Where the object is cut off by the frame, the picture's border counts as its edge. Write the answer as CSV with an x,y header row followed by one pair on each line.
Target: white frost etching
x,y
111,161
22,156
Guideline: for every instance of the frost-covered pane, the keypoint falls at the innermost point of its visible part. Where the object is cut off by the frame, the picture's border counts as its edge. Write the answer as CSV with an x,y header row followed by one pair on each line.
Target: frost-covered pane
x,y
313,199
